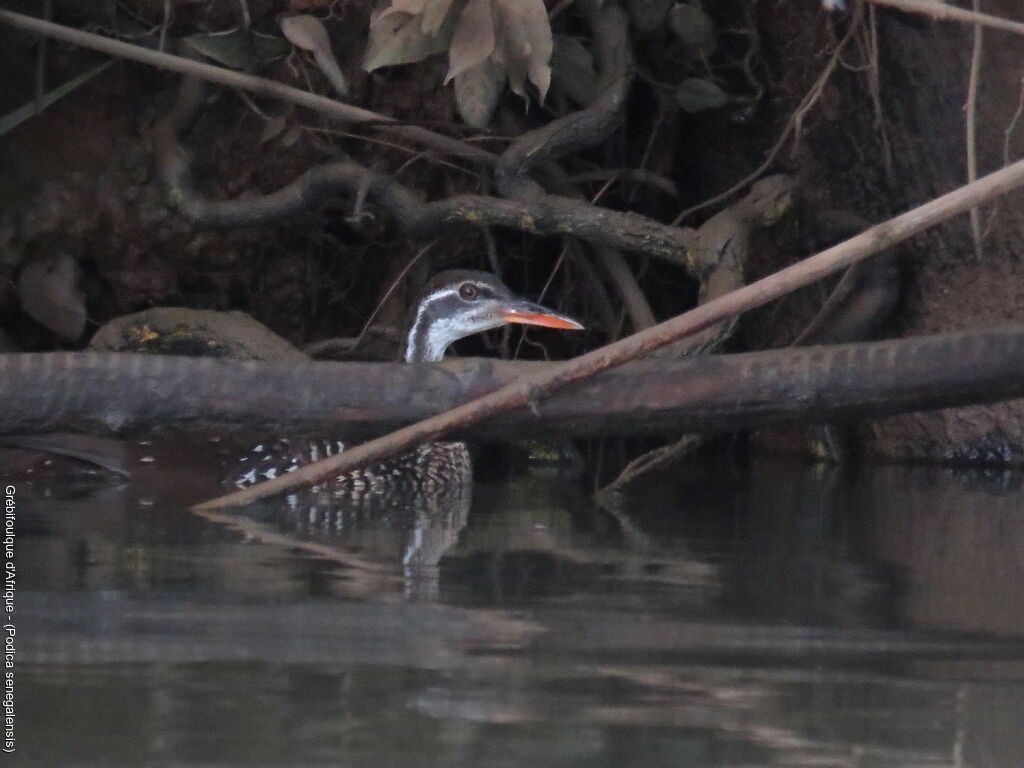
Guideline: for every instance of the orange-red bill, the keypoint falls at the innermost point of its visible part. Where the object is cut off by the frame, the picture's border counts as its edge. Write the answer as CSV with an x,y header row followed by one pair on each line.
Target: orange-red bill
x,y
539,316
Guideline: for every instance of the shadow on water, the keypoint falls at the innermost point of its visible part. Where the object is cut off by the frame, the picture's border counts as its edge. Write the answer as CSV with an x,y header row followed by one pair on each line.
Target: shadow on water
x,y
778,615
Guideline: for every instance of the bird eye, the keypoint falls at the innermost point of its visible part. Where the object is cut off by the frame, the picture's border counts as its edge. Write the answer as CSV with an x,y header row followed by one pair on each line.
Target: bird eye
x,y
468,291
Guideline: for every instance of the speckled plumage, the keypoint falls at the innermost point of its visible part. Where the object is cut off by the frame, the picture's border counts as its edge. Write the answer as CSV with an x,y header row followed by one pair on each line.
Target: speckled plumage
x,y
451,306
428,468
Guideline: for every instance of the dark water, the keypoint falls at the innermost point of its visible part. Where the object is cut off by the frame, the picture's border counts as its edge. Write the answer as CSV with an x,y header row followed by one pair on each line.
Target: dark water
x,y
776,615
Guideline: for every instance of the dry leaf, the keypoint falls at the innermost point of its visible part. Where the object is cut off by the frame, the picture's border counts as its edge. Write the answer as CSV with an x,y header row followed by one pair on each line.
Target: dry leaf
x,y
525,44
473,40
50,295
412,7
273,128
291,136
398,38
432,12
308,33
491,41
476,92
434,15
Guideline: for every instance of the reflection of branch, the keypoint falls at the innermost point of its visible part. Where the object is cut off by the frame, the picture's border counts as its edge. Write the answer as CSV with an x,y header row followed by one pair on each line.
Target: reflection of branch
x,y
530,389
651,461
254,530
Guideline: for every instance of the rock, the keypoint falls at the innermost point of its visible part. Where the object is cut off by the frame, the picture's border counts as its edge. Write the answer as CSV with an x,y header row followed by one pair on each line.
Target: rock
x,y
195,333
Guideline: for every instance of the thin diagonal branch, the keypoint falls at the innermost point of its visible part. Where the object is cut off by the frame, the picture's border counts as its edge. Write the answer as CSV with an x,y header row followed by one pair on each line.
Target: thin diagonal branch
x,y
258,85
528,390
947,12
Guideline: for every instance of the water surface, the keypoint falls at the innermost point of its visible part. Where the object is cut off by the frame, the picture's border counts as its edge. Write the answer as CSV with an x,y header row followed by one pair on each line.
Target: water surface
x,y
778,614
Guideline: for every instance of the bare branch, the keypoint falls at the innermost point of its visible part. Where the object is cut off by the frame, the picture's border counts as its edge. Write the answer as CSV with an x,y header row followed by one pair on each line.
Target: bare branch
x,y
104,393
542,214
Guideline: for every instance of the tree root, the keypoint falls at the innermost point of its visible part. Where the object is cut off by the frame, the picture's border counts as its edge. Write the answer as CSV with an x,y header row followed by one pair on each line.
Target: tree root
x,y
550,215
530,209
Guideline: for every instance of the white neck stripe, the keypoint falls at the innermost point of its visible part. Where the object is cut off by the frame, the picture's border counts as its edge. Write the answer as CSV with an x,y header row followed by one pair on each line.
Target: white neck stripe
x,y
418,321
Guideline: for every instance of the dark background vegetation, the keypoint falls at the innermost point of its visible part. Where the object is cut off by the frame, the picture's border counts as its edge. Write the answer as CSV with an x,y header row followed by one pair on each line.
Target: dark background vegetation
x,y
884,131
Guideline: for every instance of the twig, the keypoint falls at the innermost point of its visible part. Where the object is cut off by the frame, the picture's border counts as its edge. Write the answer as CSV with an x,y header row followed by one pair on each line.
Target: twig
x,y
600,301
1008,132
793,125
875,87
586,127
530,388
258,85
168,10
636,304
971,108
653,460
41,62
391,289
947,12
1007,138
629,175
246,16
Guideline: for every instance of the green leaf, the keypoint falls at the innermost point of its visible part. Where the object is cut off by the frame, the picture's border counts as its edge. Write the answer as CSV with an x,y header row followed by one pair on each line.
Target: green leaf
x,y
239,48
572,70
398,38
648,17
13,119
693,28
697,95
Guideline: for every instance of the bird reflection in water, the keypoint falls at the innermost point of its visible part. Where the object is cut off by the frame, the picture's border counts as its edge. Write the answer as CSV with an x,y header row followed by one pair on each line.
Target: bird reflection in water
x,y
415,504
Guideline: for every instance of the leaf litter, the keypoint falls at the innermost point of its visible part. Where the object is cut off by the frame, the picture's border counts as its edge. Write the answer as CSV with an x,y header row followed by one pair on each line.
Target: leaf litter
x,y
489,43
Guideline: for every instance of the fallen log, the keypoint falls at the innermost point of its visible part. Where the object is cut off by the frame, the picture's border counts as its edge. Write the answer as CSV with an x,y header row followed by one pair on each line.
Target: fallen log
x,y
140,394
